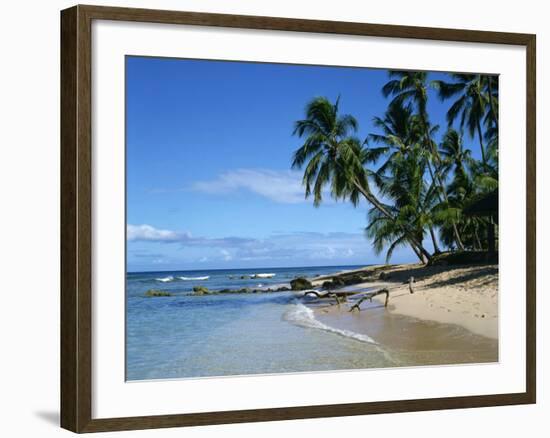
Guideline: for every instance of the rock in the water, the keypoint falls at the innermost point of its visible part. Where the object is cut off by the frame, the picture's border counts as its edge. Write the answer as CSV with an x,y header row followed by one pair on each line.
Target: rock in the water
x,y
200,290
157,293
300,284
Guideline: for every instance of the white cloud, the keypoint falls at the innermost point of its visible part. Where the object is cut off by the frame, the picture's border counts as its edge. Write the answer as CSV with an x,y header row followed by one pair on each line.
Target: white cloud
x,y
279,249
226,255
279,186
349,252
147,232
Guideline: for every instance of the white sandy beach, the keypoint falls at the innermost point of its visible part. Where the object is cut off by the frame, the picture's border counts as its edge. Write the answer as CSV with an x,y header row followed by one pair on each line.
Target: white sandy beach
x,y
464,295
451,316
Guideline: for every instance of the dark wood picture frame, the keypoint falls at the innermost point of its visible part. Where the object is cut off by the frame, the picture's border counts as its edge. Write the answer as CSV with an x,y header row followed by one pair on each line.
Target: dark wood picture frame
x,y
76,218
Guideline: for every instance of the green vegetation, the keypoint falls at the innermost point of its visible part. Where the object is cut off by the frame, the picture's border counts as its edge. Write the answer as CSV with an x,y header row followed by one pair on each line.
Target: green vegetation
x,y
463,258
157,293
416,188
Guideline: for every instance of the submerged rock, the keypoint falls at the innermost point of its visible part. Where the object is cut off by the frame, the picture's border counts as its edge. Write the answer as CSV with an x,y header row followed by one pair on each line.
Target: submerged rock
x,y
244,290
200,290
157,293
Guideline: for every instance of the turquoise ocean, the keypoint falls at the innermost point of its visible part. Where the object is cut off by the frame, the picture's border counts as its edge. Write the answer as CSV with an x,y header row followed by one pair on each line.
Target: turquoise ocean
x,y
186,336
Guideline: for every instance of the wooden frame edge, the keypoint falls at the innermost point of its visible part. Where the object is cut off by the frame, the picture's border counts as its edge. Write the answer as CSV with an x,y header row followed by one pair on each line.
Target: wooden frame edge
x,y
76,226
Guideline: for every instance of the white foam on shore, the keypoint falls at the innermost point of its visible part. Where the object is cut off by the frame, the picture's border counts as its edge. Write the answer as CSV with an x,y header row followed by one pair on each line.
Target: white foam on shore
x,y
303,316
165,279
206,277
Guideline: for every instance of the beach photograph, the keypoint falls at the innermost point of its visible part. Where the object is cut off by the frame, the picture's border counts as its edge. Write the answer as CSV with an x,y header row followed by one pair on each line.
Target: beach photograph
x,y
285,218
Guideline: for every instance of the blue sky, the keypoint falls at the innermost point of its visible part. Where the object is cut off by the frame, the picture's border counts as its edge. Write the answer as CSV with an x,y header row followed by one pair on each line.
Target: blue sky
x,y
209,146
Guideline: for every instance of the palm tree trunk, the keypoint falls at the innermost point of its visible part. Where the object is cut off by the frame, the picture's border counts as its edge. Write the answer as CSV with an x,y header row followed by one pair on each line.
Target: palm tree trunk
x,y
372,199
484,161
415,250
418,253
491,238
434,174
434,240
478,241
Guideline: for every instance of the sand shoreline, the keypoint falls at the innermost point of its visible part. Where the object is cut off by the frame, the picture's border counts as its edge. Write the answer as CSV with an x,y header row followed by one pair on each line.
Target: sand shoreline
x,y
452,316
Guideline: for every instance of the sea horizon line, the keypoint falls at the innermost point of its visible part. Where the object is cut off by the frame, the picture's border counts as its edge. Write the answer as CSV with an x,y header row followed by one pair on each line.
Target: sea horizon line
x,y
244,268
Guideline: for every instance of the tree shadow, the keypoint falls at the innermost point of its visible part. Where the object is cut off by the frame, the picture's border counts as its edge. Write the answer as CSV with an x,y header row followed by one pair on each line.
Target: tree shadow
x,y
421,272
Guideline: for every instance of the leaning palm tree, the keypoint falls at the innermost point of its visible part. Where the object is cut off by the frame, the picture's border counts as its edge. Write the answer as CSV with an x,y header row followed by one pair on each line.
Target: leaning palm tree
x,y
412,87
332,156
403,183
400,139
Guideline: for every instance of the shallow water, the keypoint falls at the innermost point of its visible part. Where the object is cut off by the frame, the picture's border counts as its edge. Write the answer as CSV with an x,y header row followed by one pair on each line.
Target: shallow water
x,y
219,335
185,336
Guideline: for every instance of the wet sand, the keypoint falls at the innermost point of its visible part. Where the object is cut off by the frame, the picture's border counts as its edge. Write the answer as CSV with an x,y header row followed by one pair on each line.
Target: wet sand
x,y
410,341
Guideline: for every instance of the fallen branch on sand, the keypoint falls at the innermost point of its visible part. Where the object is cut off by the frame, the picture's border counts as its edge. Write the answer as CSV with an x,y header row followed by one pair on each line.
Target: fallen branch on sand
x,y
328,294
369,296
341,296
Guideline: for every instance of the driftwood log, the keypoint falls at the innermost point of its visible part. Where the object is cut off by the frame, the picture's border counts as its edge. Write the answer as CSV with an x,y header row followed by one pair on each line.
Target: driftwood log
x,y
319,294
341,297
369,296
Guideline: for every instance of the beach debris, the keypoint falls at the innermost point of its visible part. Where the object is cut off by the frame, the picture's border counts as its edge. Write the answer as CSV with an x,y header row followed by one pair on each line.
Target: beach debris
x,y
157,293
300,283
340,297
411,281
369,296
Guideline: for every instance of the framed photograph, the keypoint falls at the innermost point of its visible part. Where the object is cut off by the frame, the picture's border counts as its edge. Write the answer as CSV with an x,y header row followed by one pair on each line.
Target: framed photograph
x,y
270,218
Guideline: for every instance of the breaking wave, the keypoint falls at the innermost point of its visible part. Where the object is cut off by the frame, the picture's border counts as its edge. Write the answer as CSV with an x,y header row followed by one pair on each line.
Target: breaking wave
x,y
303,316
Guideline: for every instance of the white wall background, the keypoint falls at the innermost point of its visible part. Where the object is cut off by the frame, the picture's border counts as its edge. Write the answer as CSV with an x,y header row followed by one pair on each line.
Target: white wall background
x,y
29,218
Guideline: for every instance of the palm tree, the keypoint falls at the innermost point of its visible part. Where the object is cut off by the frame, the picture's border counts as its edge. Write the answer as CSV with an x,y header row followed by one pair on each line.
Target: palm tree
x,y
491,83
411,87
401,134
333,156
468,181
473,103
403,182
454,156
